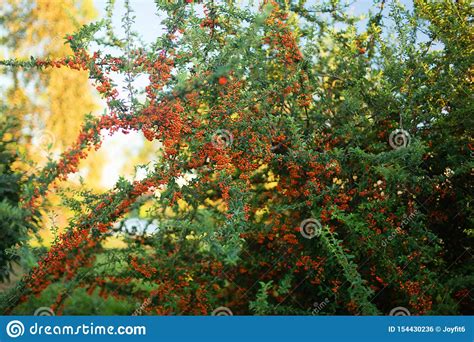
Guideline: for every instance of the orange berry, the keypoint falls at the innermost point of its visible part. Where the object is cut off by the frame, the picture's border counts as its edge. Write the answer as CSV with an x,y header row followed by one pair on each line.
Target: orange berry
x,y
222,80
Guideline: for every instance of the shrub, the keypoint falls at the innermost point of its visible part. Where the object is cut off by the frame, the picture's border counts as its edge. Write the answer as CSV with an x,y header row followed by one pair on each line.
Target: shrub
x,y
324,163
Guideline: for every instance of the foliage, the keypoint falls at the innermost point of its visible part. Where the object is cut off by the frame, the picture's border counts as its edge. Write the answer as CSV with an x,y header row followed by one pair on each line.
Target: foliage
x,y
322,160
15,222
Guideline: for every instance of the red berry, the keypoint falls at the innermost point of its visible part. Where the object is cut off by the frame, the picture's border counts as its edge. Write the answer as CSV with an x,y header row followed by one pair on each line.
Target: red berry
x,y
222,80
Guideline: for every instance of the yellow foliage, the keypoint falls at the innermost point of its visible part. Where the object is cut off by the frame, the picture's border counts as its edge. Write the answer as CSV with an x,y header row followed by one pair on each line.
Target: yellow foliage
x,y
60,100
53,103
